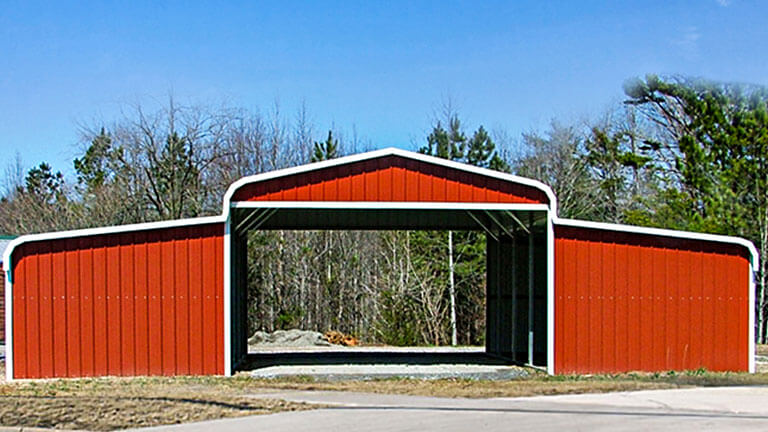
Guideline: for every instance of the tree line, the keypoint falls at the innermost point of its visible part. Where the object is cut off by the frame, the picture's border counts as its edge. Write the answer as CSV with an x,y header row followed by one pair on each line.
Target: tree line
x,y
677,153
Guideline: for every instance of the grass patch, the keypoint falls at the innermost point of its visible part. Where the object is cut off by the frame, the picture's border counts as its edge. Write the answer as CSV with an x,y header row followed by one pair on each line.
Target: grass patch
x,y
118,403
462,388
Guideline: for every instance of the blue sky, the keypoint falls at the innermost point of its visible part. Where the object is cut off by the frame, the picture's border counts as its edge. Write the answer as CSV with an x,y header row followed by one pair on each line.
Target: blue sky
x,y
383,68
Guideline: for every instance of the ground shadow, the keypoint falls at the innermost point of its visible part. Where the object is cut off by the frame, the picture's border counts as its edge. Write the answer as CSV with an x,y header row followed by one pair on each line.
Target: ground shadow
x,y
261,360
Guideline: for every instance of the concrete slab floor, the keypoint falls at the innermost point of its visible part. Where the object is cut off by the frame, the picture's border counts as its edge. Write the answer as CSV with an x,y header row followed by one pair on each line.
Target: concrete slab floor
x,y
695,410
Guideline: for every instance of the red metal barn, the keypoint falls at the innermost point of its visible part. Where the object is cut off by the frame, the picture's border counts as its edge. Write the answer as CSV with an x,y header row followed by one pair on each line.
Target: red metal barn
x,y
168,298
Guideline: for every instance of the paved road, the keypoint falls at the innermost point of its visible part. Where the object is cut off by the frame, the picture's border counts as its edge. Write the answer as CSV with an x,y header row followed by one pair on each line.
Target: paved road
x,y
731,408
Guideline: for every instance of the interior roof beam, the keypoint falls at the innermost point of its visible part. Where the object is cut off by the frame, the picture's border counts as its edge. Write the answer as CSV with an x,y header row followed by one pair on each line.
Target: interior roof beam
x,y
500,224
479,222
519,222
254,222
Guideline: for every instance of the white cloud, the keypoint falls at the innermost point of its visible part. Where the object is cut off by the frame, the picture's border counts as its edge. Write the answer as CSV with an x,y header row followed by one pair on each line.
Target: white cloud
x,y
688,42
724,3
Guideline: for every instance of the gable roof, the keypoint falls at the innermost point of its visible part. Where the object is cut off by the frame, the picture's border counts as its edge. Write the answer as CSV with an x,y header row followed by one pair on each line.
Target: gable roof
x,y
392,175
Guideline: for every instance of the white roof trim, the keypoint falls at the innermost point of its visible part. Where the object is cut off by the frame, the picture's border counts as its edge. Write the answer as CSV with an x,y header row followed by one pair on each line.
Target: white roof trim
x,y
386,205
391,151
117,229
689,235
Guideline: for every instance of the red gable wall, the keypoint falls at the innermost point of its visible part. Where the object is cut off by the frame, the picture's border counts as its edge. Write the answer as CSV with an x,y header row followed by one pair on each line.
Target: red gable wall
x,y
390,178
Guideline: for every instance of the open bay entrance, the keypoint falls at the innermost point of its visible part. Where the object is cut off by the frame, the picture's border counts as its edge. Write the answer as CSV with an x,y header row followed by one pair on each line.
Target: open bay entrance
x,y
516,276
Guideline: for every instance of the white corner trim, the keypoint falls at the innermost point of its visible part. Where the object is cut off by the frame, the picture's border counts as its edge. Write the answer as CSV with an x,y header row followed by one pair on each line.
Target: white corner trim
x,y
391,151
550,293
227,273
8,326
751,330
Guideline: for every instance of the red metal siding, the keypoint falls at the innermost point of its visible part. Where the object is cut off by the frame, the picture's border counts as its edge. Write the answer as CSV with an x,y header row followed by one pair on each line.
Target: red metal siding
x,y
138,303
628,302
390,178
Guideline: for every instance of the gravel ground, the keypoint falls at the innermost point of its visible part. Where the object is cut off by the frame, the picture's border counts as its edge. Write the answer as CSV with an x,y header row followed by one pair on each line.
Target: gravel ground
x,y
358,368
371,372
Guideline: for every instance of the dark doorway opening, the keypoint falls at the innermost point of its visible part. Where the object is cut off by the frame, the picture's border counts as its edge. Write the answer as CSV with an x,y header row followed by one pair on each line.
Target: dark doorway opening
x,y
515,272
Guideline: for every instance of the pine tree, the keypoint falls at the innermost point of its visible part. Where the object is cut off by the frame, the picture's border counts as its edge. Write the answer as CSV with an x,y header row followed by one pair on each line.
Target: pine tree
x,y
93,168
328,149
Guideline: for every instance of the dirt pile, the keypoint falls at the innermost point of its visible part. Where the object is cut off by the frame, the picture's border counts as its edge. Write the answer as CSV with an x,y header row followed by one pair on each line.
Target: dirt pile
x,y
288,338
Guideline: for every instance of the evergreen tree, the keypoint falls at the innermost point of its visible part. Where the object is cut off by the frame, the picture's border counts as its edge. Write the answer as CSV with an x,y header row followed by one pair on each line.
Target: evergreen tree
x,y
45,185
616,167
94,168
328,149
447,144
481,151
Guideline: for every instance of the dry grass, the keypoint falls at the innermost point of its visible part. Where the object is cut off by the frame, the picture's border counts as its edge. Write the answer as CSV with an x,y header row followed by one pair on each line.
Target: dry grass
x,y
110,412
534,385
119,403
461,388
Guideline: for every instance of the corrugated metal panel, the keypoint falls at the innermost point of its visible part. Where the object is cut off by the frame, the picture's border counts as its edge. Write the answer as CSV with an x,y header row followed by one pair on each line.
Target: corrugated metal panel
x,y
626,301
136,303
390,178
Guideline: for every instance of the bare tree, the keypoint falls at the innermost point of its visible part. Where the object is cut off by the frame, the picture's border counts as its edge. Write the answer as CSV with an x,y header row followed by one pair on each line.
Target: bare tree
x,y
555,160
